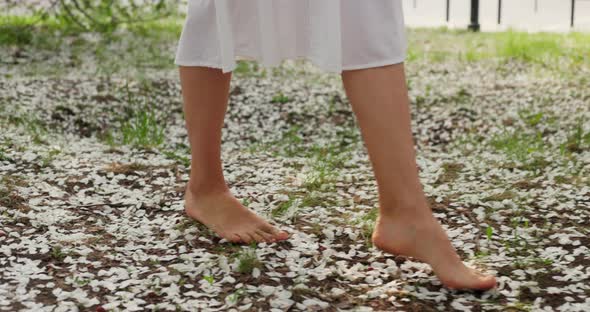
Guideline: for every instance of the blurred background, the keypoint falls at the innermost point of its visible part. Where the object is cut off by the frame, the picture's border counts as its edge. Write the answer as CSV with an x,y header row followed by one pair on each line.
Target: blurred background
x,y
32,28
498,15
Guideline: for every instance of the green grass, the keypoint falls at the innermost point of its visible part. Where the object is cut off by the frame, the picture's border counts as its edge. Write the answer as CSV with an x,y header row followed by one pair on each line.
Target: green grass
x,y
302,291
283,207
280,98
210,279
489,232
326,163
534,263
518,144
451,172
23,29
35,127
185,224
289,144
562,52
528,47
292,144
12,180
367,224
49,157
531,119
248,261
9,198
143,130
178,157
310,199
57,253
3,156
247,68
501,196
237,295
527,142
442,44
113,53
313,199
81,281
578,139
319,178
180,154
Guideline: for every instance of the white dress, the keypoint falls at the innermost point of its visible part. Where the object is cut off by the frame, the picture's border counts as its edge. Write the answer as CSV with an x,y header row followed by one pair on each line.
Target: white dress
x,y
334,35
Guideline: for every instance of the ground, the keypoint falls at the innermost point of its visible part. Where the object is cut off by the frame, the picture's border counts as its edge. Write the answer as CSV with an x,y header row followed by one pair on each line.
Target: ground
x,y
94,160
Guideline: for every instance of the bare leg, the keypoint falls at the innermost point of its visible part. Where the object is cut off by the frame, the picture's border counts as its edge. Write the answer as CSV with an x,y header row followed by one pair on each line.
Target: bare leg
x,y
205,93
405,225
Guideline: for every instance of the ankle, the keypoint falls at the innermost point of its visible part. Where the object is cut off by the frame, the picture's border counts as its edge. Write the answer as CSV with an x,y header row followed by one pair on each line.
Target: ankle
x,y
198,190
404,211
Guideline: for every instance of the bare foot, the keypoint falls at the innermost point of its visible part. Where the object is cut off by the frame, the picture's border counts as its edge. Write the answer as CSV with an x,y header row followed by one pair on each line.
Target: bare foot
x,y
424,239
225,215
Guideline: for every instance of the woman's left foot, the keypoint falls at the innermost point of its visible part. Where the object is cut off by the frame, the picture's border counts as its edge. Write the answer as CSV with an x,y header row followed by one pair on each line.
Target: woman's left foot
x,y
423,238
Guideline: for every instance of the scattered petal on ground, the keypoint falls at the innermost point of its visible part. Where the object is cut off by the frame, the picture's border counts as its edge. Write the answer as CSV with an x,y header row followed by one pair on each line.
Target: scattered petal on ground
x,y
85,225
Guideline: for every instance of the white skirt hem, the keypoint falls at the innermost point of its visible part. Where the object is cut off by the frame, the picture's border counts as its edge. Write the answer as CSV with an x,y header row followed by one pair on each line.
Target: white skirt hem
x,y
334,35
315,62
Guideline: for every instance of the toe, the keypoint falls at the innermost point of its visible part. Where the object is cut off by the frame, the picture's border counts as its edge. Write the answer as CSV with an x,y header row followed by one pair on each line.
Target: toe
x,y
234,238
245,237
484,281
257,237
488,282
276,233
267,237
268,228
476,271
471,279
282,235
481,281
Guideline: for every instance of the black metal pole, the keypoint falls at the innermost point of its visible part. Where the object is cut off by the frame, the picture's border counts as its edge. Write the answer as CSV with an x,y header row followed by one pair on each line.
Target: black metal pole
x,y
448,10
573,13
474,26
499,12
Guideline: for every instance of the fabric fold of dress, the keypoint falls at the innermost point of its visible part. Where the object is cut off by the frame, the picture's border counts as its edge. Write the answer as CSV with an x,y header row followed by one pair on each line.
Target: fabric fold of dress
x,y
334,35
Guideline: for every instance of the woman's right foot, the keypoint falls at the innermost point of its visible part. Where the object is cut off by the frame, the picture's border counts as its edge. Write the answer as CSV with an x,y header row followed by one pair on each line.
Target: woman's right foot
x,y
423,238
227,217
